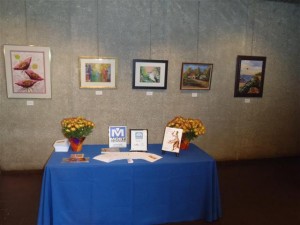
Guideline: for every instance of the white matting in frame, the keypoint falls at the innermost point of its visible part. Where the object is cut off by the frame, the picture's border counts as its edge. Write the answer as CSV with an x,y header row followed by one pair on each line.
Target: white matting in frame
x,y
97,72
172,139
139,140
27,71
150,74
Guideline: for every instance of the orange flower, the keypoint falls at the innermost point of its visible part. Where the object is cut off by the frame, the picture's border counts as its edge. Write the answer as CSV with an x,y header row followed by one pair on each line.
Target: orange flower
x,y
76,127
192,128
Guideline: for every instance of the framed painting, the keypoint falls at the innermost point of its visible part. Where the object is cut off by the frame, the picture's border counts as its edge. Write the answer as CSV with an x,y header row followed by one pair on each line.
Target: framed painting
x,y
27,71
150,74
98,72
196,76
250,74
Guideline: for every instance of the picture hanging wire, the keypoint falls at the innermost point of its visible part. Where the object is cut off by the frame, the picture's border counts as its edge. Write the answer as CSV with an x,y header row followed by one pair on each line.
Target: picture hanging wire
x,y
198,31
26,28
252,29
97,24
150,53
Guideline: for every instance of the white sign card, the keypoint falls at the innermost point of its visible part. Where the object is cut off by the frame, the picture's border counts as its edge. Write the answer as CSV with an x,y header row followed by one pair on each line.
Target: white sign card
x,y
117,136
172,139
139,140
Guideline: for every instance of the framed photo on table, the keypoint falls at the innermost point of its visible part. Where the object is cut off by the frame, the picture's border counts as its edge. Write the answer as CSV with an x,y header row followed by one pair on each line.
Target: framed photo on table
x,y
150,74
172,140
97,72
139,140
27,71
250,75
196,76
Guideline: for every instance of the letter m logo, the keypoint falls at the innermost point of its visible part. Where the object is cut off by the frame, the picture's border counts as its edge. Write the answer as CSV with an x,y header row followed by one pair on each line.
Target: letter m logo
x,y
117,132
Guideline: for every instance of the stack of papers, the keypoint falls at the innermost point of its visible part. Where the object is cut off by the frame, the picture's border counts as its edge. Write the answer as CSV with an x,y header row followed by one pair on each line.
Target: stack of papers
x,y
109,150
109,157
61,145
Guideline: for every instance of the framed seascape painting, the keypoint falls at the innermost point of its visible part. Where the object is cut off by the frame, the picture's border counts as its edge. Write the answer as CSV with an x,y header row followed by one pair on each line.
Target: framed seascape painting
x,y
250,74
98,72
196,76
150,74
27,71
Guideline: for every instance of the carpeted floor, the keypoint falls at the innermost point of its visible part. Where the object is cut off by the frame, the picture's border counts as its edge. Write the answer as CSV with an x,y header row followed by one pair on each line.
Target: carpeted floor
x,y
254,192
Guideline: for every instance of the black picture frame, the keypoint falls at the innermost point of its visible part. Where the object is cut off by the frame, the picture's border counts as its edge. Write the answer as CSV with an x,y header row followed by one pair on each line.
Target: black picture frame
x,y
139,140
150,74
250,75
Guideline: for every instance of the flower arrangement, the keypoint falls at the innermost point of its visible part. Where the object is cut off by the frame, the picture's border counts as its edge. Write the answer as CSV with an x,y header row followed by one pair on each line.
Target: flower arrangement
x,y
77,127
192,128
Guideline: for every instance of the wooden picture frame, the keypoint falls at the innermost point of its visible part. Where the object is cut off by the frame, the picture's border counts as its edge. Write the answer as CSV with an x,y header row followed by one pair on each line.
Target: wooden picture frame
x,y
250,75
97,72
150,74
196,76
27,71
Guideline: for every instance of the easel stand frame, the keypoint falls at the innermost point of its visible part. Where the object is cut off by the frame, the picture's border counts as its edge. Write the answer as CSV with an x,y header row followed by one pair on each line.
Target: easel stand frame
x,y
164,152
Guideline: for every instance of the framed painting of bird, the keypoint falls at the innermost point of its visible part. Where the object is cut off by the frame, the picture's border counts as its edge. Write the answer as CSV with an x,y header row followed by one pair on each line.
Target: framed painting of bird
x,y
149,74
27,71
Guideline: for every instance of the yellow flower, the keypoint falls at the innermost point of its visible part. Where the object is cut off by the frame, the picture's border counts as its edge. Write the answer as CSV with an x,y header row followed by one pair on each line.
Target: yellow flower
x,y
192,128
76,127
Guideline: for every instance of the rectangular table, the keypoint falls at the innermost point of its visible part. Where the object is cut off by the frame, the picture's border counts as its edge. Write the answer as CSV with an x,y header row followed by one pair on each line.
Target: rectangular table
x,y
172,189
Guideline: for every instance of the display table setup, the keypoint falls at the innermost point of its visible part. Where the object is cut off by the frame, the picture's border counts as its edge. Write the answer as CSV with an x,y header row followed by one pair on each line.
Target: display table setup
x,y
171,189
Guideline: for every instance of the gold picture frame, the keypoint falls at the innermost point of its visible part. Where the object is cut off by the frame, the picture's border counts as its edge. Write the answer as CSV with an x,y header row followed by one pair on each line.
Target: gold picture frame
x,y
98,72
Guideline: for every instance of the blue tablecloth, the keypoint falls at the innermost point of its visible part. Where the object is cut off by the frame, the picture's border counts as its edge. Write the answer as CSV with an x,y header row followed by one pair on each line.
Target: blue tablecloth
x,y
172,189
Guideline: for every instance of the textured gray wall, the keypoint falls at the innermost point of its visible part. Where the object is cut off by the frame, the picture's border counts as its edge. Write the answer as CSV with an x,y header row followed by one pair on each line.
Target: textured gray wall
x,y
211,31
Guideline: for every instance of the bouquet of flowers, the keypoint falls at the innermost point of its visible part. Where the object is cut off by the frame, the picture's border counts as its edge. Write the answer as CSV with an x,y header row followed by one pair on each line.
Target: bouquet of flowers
x,y
192,128
77,127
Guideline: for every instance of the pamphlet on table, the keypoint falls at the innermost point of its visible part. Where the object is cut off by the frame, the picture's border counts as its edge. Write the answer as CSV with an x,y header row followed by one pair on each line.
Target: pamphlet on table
x,y
76,158
109,157
109,150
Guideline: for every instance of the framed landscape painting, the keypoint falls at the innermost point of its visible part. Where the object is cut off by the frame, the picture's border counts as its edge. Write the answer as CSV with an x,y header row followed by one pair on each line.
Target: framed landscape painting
x,y
196,76
97,72
250,75
27,71
150,74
